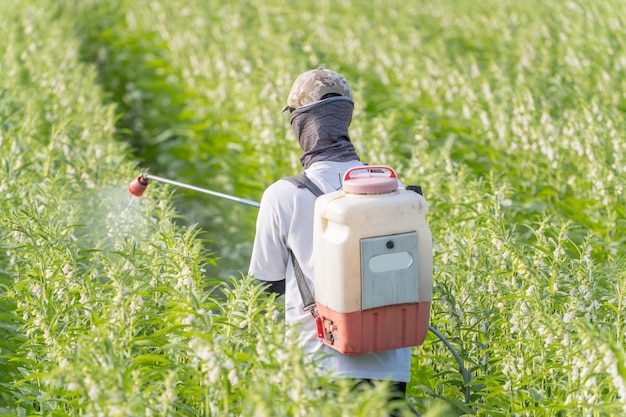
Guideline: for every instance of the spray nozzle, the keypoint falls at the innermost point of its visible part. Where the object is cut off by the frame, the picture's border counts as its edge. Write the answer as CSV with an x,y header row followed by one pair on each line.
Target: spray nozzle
x,y
138,185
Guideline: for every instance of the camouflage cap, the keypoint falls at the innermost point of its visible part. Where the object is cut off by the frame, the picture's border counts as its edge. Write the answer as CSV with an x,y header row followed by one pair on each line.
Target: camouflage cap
x,y
312,85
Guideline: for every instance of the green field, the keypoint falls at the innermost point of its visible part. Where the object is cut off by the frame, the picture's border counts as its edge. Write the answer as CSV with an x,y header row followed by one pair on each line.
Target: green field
x,y
510,115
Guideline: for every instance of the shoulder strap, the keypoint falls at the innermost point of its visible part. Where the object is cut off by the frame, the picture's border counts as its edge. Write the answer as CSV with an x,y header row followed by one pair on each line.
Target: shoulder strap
x,y
308,300
302,181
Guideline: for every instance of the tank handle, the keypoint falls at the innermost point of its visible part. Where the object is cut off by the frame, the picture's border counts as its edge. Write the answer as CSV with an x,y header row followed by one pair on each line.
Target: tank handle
x,y
371,169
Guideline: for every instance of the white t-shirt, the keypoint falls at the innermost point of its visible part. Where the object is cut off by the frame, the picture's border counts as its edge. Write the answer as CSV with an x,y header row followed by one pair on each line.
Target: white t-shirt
x,y
285,220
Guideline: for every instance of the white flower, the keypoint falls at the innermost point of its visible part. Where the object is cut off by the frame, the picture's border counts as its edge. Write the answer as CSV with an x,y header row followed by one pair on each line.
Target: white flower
x,y
93,392
275,315
37,290
459,312
88,182
189,319
232,377
610,361
549,339
565,341
136,304
214,374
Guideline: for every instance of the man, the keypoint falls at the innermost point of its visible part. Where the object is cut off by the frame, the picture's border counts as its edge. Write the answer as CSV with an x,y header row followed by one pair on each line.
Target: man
x,y
321,107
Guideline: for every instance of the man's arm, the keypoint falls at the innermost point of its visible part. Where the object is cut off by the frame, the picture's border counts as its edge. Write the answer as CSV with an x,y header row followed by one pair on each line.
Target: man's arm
x,y
270,254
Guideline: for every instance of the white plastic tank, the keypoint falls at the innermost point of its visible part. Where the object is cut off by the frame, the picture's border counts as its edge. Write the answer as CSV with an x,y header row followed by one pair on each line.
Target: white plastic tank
x,y
372,251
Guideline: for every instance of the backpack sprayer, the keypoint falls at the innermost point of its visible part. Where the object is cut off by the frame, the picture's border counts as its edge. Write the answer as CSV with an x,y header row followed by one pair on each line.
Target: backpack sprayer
x,y
370,243
392,256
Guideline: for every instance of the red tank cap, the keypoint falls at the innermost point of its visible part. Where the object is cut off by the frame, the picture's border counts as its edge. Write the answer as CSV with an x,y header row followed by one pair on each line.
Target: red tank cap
x,y
376,179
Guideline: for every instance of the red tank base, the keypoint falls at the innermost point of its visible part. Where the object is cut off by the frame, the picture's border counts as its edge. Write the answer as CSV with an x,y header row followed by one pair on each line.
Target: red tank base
x,y
376,329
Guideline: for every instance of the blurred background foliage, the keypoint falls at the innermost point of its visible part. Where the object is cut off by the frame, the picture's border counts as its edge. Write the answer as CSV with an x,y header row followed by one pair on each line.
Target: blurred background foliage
x,y
199,87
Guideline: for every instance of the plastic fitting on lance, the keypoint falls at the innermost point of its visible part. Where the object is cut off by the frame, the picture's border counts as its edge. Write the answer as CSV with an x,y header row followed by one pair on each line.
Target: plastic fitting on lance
x,y
138,186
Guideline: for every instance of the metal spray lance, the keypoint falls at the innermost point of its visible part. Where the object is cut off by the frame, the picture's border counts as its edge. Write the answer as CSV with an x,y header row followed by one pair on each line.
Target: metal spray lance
x,y
139,185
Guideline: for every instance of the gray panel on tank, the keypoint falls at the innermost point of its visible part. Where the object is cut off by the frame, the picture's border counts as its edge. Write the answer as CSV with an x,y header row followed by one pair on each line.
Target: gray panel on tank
x,y
389,272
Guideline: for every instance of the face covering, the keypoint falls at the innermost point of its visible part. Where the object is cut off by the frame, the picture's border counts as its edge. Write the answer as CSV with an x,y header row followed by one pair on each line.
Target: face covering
x,y
322,130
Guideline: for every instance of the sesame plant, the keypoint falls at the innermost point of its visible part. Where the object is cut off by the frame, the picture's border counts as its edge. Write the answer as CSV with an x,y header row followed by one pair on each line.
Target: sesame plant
x,y
510,115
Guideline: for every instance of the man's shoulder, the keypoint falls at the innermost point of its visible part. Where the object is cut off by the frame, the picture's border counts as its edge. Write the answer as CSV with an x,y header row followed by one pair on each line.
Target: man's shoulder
x,y
282,192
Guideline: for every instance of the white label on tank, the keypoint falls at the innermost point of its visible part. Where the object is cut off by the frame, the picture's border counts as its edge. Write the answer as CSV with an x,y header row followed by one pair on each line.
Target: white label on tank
x,y
391,262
